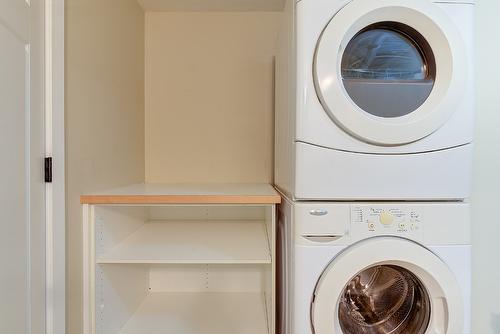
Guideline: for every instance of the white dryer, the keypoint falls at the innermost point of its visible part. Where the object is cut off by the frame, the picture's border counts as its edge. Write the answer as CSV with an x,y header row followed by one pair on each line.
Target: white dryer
x,y
375,99
350,268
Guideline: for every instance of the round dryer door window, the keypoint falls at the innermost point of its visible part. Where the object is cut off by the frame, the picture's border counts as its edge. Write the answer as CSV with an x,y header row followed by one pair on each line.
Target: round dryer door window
x,y
390,72
387,285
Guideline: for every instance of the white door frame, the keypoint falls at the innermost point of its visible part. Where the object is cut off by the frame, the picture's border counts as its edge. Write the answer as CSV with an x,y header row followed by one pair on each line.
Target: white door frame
x,y
55,191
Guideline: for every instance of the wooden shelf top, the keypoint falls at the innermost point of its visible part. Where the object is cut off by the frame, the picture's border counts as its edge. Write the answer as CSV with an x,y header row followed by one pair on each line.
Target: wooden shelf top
x,y
189,193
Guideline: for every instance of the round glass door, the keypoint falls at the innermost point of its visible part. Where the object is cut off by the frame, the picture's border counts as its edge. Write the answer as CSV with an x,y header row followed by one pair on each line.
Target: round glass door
x,y
386,285
390,73
388,69
384,299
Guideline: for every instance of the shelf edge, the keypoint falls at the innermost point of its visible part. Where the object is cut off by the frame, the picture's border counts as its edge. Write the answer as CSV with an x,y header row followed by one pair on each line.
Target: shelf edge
x,y
111,261
180,199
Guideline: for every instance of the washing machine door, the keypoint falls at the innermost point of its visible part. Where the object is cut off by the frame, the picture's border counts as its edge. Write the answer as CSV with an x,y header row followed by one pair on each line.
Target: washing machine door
x,y
387,285
390,72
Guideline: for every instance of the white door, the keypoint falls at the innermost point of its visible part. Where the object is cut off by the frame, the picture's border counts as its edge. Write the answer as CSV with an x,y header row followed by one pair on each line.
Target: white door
x,y
387,285
390,72
22,187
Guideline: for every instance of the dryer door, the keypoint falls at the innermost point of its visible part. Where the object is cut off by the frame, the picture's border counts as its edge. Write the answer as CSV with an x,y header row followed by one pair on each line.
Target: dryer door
x,y
387,285
390,72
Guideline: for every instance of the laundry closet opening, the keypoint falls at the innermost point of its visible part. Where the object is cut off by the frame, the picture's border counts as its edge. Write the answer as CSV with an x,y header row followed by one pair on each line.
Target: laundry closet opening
x,y
165,91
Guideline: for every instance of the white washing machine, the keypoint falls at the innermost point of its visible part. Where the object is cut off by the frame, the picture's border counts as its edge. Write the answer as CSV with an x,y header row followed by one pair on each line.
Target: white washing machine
x,y
350,268
375,99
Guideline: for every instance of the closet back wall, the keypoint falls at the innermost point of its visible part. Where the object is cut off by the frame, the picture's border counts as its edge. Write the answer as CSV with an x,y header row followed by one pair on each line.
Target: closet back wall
x,y
209,96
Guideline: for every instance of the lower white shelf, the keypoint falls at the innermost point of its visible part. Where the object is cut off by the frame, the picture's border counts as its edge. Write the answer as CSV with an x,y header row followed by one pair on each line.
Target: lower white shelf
x,y
193,242
199,313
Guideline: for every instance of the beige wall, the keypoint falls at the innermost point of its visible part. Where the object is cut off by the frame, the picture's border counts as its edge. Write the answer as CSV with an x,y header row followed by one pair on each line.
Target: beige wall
x,y
209,96
486,194
104,115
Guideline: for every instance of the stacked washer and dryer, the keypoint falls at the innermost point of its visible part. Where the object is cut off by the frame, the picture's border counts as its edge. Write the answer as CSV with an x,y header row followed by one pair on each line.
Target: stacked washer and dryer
x,y
374,132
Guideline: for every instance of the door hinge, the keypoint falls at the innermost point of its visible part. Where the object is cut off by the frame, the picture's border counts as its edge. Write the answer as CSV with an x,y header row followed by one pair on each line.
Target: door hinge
x,y
48,169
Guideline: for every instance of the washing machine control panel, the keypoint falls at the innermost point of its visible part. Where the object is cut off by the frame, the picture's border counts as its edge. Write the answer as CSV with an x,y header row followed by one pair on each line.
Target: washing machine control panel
x,y
386,219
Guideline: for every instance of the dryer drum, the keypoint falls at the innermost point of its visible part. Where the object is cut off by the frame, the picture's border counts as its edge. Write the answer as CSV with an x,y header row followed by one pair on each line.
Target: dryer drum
x,y
388,69
384,299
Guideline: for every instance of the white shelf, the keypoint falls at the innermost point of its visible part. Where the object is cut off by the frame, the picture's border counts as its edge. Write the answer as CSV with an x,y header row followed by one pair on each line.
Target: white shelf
x,y
228,242
187,193
199,313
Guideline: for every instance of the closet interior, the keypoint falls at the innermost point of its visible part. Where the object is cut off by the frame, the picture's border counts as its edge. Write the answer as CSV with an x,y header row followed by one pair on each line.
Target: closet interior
x,y
163,92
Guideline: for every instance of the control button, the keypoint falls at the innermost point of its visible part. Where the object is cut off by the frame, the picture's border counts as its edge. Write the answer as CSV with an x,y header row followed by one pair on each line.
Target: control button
x,y
386,218
402,226
371,226
412,227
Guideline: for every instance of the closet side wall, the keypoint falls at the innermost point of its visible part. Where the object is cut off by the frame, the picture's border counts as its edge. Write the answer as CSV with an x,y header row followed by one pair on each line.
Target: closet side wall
x,y
209,96
104,115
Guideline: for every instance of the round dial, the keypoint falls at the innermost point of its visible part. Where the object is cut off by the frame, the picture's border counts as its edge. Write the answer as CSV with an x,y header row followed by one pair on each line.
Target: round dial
x,y
386,218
